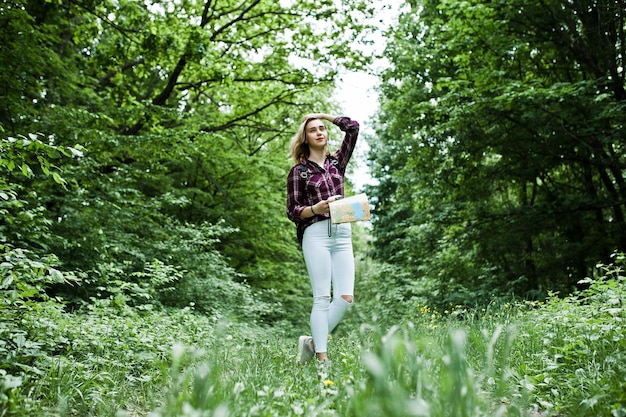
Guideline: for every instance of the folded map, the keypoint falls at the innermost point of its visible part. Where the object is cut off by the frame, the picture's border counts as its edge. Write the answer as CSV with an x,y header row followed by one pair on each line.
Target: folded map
x,y
351,209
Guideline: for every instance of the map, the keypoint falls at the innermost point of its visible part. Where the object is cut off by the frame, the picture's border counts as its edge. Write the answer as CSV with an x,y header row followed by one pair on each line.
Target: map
x,y
351,209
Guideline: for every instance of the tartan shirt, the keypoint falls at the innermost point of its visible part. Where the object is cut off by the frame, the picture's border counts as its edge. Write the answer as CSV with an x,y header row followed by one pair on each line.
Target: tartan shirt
x,y
322,182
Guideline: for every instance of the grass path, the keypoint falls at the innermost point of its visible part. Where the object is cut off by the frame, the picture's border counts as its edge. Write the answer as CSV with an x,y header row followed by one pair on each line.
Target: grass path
x,y
399,373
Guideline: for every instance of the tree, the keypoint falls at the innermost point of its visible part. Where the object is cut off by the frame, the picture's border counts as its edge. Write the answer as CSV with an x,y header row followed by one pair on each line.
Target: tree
x,y
184,110
510,120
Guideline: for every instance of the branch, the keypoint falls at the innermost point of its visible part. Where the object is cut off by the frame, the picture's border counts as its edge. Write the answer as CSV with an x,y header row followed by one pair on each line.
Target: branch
x,y
235,20
106,21
276,78
160,99
234,121
104,80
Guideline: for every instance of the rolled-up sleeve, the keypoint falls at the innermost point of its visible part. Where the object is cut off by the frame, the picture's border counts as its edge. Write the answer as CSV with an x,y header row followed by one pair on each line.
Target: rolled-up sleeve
x,y
351,129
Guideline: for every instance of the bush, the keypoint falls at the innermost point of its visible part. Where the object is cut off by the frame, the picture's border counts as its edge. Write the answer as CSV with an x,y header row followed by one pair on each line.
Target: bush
x,y
573,349
28,328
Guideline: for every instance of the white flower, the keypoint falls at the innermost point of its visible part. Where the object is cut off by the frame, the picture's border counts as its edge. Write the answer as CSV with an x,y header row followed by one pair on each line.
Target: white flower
x,y
238,388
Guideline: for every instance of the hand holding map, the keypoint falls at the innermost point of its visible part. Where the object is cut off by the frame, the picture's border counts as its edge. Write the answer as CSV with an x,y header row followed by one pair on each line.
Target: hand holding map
x,y
351,209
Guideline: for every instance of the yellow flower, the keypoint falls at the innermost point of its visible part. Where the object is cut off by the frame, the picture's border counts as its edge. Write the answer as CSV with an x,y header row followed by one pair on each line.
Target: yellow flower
x,y
328,382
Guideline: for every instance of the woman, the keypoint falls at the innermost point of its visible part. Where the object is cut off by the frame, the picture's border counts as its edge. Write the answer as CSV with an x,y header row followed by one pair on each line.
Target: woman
x,y
316,179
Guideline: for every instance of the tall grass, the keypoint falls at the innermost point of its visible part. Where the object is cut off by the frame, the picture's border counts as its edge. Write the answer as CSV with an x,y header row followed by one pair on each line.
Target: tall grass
x,y
406,371
564,357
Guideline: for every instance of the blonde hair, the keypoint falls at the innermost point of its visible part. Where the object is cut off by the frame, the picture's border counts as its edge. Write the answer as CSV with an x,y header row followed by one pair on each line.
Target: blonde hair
x,y
298,148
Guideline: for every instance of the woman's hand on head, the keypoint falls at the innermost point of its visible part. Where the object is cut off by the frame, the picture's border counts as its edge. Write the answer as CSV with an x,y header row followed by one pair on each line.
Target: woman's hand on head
x,y
311,116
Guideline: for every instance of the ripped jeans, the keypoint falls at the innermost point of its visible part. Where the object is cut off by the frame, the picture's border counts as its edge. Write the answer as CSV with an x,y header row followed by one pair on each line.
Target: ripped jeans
x,y
329,261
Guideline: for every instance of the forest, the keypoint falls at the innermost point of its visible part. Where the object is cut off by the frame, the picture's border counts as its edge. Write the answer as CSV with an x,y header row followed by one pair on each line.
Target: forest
x,y
147,264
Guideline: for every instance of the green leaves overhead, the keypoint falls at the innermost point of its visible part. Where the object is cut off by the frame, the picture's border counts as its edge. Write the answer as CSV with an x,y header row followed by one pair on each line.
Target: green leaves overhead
x,y
184,110
501,140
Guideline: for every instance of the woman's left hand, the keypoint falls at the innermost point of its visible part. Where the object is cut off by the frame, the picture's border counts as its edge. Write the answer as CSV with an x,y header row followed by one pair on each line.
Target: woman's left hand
x,y
324,204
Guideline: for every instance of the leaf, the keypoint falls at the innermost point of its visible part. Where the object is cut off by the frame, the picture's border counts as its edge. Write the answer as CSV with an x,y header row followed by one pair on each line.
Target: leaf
x,y
76,152
6,282
58,179
26,171
44,164
56,275
10,382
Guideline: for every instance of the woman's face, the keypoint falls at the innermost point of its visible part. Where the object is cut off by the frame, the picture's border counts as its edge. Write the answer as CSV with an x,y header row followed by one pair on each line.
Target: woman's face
x,y
316,134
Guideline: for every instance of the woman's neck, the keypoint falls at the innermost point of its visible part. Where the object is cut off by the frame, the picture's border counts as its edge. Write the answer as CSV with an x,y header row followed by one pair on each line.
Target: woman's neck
x,y
317,156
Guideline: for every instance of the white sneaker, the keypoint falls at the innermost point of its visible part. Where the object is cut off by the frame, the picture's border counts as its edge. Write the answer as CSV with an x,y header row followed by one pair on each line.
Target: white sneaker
x,y
305,353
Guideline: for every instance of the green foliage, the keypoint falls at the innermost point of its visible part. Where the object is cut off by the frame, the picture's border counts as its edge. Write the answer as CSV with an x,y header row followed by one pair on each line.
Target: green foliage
x,y
184,112
98,359
384,382
577,366
412,372
499,152
564,356
24,161
23,300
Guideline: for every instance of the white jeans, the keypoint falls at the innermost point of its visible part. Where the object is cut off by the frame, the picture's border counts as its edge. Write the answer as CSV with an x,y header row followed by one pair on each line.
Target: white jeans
x,y
329,260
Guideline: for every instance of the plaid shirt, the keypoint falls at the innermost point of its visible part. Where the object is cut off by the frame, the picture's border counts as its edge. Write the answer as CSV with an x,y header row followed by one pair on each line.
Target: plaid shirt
x,y
321,182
